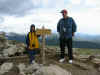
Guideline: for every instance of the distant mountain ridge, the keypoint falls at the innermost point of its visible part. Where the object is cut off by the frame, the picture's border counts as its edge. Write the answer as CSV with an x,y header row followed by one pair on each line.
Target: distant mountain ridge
x,y
86,37
80,41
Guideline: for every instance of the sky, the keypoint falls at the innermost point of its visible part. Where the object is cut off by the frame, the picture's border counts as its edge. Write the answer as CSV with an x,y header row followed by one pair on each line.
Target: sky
x,y
17,15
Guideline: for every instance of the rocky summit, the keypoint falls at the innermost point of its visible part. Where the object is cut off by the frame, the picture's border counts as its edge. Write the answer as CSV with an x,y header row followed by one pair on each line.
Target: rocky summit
x,y
14,60
10,48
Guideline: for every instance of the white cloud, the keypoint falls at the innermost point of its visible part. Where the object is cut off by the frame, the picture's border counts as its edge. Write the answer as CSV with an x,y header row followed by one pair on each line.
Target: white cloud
x,y
88,21
22,24
75,1
36,2
45,3
95,3
18,7
48,15
1,19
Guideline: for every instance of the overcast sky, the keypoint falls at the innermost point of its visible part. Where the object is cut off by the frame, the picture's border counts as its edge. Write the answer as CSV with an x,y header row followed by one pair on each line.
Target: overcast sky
x,y
17,15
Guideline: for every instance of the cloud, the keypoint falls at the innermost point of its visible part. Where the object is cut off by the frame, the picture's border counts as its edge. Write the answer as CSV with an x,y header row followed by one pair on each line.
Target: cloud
x,y
46,12
94,3
40,18
1,19
88,21
17,7
22,7
75,1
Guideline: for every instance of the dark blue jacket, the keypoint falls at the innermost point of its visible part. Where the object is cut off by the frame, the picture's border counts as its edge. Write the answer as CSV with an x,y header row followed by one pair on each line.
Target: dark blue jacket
x,y
27,39
66,27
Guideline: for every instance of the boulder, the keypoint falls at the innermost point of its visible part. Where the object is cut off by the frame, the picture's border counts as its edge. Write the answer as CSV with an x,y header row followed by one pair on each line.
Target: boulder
x,y
52,70
21,47
22,68
5,67
37,69
10,51
99,69
96,60
32,68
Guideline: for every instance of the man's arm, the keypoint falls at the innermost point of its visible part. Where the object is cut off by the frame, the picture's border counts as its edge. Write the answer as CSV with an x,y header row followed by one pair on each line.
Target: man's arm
x,y
74,27
58,26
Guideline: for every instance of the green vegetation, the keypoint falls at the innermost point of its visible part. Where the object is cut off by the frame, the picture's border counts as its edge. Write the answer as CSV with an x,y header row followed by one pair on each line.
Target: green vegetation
x,y
85,51
82,51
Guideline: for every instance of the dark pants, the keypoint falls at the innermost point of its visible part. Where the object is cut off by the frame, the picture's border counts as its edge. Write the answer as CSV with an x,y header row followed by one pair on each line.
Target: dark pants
x,y
31,55
63,43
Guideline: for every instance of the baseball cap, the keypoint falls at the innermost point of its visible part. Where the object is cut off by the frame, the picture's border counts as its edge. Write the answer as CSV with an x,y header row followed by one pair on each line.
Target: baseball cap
x,y
64,11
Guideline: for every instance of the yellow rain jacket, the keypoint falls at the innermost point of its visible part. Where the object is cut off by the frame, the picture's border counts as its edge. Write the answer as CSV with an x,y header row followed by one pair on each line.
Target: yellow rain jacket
x,y
33,41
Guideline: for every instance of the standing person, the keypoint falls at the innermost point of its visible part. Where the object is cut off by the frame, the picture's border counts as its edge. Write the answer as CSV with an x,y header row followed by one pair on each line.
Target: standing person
x,y
66,28
32,43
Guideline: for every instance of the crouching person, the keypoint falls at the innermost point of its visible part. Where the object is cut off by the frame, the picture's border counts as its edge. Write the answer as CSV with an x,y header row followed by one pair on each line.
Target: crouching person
x,y
32,43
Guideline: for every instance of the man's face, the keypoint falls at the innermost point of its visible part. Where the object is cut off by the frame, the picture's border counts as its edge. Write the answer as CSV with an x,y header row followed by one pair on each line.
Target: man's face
x,y
64,15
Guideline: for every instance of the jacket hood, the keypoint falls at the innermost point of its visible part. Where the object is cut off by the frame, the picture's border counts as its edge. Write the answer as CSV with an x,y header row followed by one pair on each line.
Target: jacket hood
x,y
31,27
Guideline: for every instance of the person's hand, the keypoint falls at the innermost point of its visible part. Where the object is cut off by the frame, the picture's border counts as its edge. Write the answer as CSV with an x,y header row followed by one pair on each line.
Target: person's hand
x,y
73,34
38,35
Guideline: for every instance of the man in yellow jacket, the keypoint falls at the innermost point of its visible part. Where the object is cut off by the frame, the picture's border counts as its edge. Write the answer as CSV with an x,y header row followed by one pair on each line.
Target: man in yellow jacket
x,y
32,43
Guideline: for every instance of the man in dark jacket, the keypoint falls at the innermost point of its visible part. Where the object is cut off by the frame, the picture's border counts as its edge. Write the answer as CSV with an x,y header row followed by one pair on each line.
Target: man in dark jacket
x,y
66,28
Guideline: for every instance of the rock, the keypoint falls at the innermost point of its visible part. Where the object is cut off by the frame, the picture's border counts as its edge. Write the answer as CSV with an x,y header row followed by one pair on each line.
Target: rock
x,y
21,48
99,69
33,74
91,57
81,65
96,60
10,47
52,70
13,71
2,40
2,37
36,69
1,45
84,56
22,68
10,51
5,67
97,55
0,55
2,34
32,68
